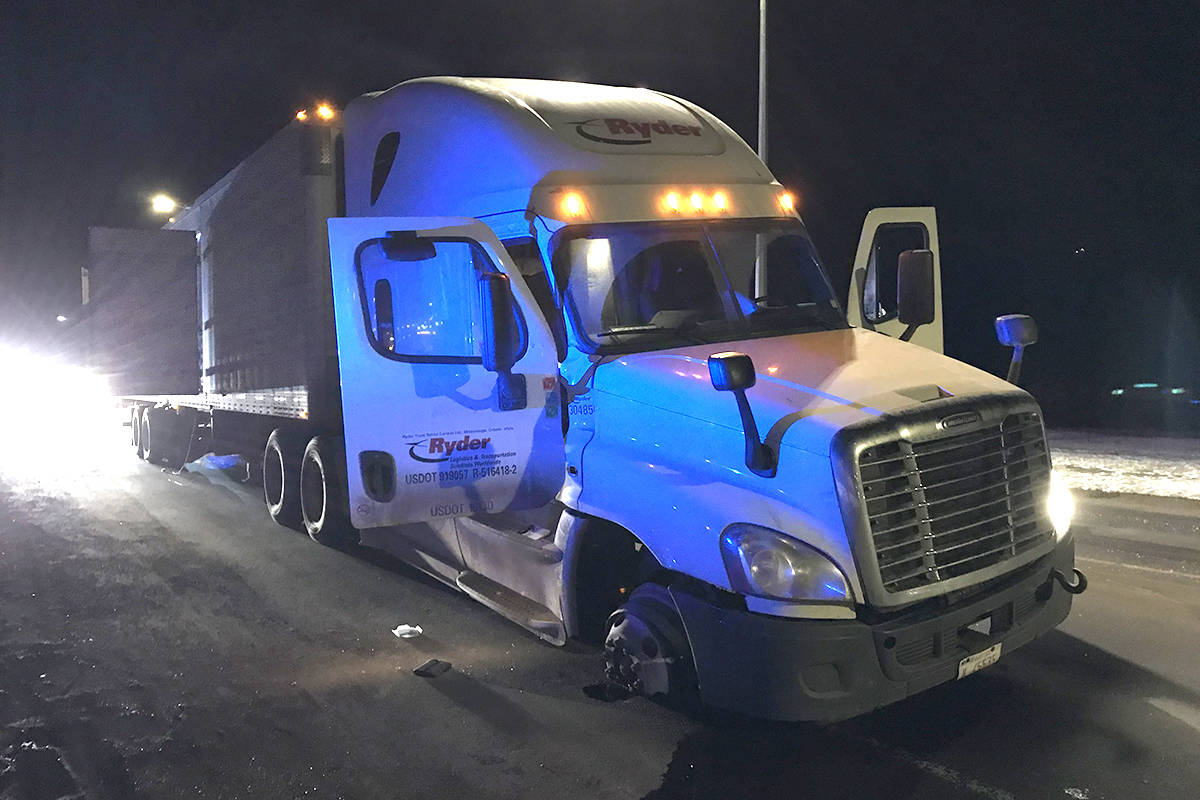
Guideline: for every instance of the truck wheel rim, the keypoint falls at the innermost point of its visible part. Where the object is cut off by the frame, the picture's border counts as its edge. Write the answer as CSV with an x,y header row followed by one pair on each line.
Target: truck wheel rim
x,y
635,656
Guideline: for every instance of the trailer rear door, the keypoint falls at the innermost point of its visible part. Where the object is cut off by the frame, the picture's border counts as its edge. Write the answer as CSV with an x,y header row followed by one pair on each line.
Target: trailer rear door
x,y
430,433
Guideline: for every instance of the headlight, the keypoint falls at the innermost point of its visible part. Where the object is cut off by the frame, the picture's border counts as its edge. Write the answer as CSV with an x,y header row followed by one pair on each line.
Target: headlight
x,y
764,563
1060,504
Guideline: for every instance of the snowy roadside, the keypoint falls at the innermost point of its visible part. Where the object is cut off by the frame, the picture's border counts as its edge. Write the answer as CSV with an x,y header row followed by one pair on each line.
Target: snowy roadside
x,y
1099,462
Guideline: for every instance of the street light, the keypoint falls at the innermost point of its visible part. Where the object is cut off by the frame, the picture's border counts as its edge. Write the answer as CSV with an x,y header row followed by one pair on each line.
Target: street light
x,y
163,204
762,80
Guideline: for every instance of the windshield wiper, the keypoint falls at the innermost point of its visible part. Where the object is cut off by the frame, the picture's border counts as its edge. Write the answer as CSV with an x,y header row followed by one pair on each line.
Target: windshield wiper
x,y
633,329
681,331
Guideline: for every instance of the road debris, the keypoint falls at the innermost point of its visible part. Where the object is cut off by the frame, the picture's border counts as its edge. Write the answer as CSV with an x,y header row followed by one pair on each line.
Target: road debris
x,y
432,668
407,631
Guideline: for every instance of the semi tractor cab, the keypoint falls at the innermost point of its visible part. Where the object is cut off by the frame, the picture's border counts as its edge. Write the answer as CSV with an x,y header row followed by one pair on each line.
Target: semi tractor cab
x,y
591,371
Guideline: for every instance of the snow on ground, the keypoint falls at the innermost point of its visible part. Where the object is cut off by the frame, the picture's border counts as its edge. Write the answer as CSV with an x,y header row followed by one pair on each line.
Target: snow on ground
x,y
1101,462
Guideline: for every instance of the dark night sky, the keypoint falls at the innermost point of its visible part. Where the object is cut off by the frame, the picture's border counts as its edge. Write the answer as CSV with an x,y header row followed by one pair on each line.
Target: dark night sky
x,y
1034,130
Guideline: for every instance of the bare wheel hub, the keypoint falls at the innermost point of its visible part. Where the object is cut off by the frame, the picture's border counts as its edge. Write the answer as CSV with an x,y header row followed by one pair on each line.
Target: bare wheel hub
x,y
635,656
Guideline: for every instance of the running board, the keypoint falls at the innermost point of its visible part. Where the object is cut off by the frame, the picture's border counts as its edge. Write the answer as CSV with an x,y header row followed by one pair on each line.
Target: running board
x,y
535,618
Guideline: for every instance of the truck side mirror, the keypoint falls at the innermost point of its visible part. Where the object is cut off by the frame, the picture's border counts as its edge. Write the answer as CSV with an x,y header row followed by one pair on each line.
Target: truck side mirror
x,y
914,290
500,336
501,340
1017,331
731,372
734,372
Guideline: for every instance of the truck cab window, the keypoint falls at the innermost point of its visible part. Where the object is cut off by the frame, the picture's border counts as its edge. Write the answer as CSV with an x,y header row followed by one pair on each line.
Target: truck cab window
x,y
424,305
385,156
657,285
528,257
879,289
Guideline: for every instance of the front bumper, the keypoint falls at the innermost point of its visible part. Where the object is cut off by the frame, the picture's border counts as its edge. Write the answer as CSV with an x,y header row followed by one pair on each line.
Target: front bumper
x,y
791,669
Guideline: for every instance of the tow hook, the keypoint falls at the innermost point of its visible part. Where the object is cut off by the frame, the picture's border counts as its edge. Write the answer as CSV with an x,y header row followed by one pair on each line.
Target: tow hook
x,y
1078,587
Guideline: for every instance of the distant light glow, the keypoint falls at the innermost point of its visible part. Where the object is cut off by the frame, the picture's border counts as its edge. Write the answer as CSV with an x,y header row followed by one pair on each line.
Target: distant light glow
x,y
325,111
720,201
672,201
1145,386
58,409
787,201
1178,390
163,204
697,201
302,115
1117,392
572,204
61,318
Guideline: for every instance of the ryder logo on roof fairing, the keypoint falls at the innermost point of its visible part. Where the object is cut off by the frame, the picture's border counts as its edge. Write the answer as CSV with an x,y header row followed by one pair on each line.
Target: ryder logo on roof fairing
x,y
616,130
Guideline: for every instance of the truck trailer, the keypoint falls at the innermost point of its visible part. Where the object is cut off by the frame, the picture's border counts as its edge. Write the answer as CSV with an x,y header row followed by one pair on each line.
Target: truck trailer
x,y
569,349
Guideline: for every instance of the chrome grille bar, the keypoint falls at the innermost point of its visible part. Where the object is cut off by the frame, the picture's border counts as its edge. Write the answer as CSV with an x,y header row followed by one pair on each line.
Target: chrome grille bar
x,y
954,503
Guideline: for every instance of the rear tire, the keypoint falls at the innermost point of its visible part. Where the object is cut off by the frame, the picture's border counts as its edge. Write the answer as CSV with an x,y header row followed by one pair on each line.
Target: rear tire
x,y
135,429
281,477
143,422
324,502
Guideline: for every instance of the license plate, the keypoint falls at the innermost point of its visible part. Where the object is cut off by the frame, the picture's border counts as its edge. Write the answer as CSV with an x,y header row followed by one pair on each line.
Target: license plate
x,y
978,661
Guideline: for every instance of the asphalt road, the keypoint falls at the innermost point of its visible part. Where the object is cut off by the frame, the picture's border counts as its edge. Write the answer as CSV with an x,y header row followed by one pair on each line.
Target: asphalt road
x,y
160,637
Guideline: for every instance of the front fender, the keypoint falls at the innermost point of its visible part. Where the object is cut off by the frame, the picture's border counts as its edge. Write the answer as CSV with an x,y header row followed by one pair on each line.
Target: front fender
x,y
676,482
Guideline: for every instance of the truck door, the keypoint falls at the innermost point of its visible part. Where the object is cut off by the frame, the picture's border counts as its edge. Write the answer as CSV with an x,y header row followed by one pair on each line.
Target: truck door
x,y
886,233
436,425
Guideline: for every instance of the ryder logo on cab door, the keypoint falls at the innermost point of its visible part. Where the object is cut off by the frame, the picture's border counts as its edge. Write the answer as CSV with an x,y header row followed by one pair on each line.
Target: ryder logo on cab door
x,y
438,449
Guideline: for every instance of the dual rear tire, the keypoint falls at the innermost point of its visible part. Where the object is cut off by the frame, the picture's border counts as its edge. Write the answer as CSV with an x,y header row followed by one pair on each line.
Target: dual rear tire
x,y
304,486
324,501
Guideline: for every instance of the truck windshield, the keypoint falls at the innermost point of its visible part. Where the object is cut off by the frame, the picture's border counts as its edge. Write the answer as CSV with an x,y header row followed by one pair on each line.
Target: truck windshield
x,y
639,286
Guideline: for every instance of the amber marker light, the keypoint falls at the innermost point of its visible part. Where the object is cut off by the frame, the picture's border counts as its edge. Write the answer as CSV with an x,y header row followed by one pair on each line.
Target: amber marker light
x,y
302,115
672,201
325,111
720,201
572,204
787,202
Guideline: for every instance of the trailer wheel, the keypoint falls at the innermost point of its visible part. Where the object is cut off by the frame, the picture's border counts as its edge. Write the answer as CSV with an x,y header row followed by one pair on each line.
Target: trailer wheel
x,y
135,429
324,502
646,650
143,418
281,477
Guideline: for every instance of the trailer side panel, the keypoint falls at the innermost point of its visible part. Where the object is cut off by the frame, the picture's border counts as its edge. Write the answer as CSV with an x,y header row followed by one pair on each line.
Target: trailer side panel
x,y
139,328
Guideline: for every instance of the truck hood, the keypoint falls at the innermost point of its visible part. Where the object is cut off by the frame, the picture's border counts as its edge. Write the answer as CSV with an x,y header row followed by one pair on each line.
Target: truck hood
x,y
808,386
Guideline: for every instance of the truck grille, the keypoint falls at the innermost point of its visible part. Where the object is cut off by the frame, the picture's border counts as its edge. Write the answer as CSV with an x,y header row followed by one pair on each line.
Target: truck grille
x,y
948,506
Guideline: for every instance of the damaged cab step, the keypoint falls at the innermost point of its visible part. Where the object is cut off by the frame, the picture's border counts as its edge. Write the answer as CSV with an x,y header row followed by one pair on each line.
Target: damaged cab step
x,y
535,618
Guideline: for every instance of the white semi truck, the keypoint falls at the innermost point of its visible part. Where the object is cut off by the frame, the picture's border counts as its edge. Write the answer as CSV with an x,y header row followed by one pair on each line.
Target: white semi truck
x,y
570,349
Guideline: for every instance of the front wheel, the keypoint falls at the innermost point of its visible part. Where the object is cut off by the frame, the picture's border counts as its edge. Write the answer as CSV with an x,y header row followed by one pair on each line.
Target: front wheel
x,y
646,650
324,500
